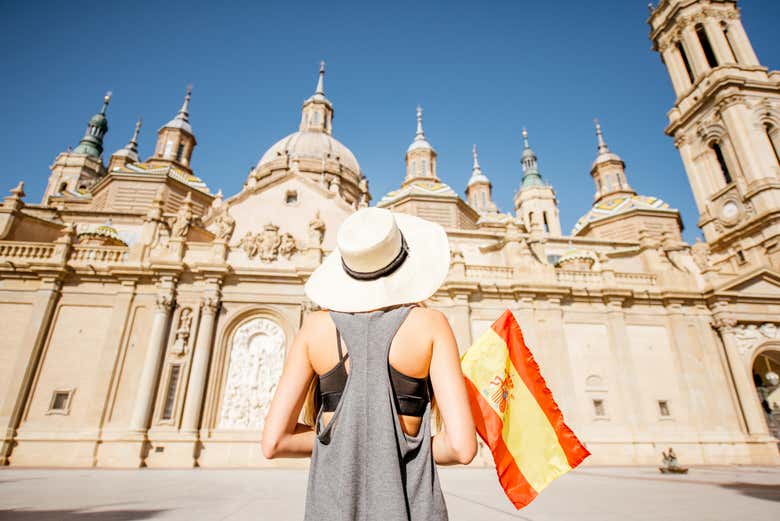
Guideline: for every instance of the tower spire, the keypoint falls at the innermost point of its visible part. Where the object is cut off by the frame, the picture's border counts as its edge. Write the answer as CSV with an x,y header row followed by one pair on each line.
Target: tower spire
x,y
603,148
476,158
321,80
184,111
92,142
420,135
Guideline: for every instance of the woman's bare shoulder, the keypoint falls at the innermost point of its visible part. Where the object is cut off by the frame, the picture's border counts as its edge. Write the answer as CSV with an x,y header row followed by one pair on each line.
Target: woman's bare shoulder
x,y
429,318
316,322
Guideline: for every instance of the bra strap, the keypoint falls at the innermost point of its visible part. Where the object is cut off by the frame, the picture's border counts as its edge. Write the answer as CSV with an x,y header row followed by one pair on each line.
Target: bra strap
x,y
341,351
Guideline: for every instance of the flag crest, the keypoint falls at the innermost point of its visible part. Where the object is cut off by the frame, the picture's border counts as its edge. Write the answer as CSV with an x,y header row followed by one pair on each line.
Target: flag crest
x,y
515,413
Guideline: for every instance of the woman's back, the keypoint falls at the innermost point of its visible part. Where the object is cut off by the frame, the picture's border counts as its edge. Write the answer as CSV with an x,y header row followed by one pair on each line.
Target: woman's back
x,y
410,352
364,466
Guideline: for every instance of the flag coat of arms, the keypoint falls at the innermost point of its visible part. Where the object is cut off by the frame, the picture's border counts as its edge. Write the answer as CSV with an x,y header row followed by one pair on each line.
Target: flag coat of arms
x,y
515,413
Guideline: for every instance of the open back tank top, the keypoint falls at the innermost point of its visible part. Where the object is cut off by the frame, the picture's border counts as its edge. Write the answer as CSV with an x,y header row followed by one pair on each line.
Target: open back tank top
x,y
411,394
364,467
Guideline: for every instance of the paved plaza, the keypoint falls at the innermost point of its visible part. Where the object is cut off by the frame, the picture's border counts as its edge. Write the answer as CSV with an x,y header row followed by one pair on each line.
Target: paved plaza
x,y
590,493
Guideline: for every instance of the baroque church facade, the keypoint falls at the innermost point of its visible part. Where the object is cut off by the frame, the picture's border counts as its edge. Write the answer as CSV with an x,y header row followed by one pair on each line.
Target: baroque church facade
x,y
146,319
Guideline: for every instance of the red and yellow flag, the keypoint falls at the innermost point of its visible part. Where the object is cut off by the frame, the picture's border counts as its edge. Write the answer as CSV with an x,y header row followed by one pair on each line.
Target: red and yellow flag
x,y
515,413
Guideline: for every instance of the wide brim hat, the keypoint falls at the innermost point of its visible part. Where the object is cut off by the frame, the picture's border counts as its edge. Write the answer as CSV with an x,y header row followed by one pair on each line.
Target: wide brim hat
x,y
381,259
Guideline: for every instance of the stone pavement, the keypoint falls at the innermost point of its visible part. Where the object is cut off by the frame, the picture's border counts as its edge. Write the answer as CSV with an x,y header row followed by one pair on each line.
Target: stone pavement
x,y
587,494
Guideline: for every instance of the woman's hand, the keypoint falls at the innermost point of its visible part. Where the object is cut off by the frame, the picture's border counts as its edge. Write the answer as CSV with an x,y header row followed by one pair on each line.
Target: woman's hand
x,y
283,436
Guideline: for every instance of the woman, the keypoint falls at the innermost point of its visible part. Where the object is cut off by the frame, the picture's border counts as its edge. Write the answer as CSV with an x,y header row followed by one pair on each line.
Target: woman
x,y
368,368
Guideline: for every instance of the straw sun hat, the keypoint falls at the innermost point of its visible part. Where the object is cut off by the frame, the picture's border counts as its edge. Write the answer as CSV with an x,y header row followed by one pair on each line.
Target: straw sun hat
x,y
381,259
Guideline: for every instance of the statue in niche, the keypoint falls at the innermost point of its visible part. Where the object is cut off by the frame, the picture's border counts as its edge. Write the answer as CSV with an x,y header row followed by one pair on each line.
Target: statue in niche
x,y
182,332
701,254
268,242
224,225
316,231
287,245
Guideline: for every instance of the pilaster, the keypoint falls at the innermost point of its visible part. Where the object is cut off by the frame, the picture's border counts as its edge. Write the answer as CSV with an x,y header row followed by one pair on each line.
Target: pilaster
x,y
26,364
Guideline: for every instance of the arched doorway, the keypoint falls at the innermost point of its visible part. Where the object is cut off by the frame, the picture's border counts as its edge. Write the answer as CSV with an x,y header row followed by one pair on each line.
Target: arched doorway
x,y
766,377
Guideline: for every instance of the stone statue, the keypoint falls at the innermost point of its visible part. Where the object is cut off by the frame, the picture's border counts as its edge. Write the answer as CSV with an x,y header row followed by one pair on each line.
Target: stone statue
x,y
701,254
182,222
249,244
182,332
224,225
287,245
268,242
316,231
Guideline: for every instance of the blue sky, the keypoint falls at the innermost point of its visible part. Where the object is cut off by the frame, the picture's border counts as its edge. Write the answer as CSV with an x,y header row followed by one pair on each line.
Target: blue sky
x,y
481,71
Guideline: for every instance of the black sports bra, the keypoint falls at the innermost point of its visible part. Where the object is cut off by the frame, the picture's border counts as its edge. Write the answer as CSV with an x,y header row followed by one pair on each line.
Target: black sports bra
x,y
411,394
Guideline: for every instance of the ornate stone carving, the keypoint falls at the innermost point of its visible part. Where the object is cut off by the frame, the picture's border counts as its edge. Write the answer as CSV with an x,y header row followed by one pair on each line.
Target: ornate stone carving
x,y
724,322
163,301
256,361
750,336
700,252
224,224
316,231
248,243
268,242
210,303
181,340
181,224
287,246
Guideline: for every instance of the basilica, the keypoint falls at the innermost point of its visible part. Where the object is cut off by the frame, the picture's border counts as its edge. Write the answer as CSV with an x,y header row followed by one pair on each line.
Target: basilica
x,y
146,318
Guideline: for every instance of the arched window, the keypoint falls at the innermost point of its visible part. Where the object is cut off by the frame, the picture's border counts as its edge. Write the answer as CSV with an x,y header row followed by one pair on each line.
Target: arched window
x,y
425,167
684,57
180,152
730,43
705,45
63,187
484,199
546,226
770,130
413,168
721,161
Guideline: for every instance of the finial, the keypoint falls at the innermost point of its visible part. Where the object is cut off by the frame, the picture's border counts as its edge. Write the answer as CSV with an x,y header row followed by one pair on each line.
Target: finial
x,y
137,130
18,191
106,100
184,111
476,157
650,7
602,145
321,79
525,138
420,134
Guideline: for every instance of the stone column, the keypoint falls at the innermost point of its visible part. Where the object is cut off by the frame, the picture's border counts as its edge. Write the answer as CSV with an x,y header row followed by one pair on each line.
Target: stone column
x,y
718,42
676,69
743,383
17,389
695,53
200,365
742,46
147,383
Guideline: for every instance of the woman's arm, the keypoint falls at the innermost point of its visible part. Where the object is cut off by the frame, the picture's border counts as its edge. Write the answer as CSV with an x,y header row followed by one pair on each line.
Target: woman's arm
x,y
283,436
457,443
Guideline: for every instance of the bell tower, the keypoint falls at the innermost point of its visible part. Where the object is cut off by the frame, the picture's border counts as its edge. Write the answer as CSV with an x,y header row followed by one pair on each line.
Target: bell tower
x,y
726,125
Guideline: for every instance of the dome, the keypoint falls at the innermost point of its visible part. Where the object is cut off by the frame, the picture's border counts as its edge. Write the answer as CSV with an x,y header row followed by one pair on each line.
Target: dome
x,y
311,145
605,157
617,205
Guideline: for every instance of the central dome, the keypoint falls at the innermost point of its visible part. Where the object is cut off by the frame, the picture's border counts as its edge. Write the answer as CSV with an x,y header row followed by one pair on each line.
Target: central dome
x,y
311,145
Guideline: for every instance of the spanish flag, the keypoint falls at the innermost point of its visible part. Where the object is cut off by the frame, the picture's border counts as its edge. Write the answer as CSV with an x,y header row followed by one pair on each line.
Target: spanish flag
x,y
515,413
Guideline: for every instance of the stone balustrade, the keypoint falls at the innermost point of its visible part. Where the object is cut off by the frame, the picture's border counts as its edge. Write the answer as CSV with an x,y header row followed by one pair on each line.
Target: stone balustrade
x,y
106,254
26,250
483,273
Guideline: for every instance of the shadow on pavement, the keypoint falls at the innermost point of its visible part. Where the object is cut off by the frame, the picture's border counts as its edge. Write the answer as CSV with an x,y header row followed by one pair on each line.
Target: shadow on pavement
x,y
74,515
768,492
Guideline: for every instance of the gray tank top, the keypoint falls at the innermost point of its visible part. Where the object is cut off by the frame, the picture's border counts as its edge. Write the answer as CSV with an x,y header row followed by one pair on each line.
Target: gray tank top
x,y
364,467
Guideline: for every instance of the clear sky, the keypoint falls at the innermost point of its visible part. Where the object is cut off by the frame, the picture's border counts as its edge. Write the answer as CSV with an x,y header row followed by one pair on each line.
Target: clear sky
x,y
481,71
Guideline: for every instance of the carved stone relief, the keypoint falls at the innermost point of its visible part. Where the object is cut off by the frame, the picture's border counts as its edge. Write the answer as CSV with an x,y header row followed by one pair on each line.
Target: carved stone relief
x,y
256,361
269,244
750,336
